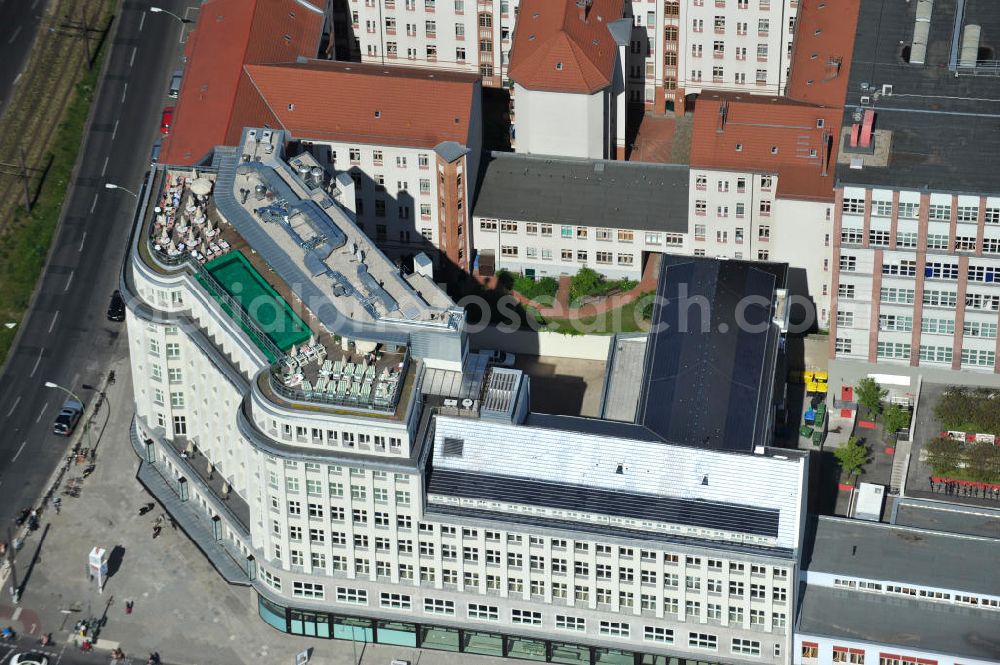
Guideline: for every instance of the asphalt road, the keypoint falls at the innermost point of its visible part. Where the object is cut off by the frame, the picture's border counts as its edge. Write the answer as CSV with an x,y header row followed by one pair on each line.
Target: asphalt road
x,y
67,338
19,20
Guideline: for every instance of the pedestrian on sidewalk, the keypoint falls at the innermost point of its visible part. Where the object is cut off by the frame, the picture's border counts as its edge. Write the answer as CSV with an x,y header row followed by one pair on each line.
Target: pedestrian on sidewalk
x,y
128,606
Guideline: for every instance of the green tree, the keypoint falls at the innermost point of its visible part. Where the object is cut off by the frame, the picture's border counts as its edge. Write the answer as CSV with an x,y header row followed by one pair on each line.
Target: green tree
x,y
895,419
944,455
982,460
852,456
869,394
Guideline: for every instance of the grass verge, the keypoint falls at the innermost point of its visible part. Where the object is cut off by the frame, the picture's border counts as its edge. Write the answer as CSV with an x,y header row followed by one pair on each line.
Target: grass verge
x,y
26,244
631,317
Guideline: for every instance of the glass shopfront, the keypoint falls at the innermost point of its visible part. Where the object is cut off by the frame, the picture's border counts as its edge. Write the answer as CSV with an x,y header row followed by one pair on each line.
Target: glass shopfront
x,y
440,638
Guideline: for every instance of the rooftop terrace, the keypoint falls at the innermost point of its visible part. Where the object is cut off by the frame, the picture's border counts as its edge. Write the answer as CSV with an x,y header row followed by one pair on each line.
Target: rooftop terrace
x,y
333,315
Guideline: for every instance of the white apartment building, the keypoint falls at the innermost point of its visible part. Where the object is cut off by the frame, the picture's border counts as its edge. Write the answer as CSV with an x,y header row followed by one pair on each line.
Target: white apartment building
x,y
762,188
395,494
736,45
465,35
413,156
541,216
856,609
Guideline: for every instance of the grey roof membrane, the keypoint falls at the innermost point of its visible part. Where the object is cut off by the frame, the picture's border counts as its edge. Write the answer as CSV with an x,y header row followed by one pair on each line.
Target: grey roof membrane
x,y
565,496
887,621
951,518
711,355
876,551
630,195
945,128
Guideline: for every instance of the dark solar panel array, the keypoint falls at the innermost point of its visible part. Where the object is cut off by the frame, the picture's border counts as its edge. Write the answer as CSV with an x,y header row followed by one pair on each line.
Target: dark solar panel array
x,y
564,496
710,360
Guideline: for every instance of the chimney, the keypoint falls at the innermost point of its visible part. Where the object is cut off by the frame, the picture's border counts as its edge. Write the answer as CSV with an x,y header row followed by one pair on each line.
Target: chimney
x,y
867,128
584,8
723,112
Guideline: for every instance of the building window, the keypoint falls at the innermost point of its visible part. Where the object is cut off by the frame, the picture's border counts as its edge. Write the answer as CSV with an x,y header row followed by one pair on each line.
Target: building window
x,y
746,647
703,641
352,596
483,612
526,617
180,426
307,590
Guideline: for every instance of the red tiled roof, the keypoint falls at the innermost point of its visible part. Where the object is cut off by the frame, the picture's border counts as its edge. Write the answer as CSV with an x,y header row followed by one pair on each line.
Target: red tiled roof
x,y
230,33
355,102
557,51
824,41
760,124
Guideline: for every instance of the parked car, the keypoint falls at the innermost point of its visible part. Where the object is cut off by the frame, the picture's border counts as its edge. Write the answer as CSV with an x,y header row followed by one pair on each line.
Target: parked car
x,y
175,84
154,156
116,308
29,659
501,358
68,417
167,120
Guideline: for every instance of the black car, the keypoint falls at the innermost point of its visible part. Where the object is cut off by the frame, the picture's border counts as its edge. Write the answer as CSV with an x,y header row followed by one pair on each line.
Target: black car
x,y
116,310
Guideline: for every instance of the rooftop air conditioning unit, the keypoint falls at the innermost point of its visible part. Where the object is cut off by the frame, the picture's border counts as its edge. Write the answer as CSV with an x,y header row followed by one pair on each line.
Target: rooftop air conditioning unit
x,y
887,89
866,100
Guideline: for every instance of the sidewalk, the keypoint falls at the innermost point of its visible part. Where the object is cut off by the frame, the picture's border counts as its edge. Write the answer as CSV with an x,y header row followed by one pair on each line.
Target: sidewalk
x,y
183,609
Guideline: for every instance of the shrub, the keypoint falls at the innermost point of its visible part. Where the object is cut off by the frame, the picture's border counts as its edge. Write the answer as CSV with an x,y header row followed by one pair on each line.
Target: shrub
x,y
535,288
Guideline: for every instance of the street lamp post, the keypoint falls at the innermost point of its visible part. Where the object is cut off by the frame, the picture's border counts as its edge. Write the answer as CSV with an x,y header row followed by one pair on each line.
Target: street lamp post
x,y
161,10
111,185
86,424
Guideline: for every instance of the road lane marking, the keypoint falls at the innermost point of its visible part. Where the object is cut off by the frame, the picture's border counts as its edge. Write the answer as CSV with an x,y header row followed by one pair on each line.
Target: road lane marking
x,y
54,319
82,240
18,453
131,60
34,4
124,90
17,31
142,21
115,132
14,405
18,77
39,418
37,360
94,204
104,169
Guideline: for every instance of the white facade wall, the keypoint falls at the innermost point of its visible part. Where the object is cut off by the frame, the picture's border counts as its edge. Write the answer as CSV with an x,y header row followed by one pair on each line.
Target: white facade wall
x,y
563,124
738,45
562,249
737,215
435,33
895,297
409,191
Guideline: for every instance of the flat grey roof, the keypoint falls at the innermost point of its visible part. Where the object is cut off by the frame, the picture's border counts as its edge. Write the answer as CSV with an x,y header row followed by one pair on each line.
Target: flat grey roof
x,y
630,195
894,621
949,517
876,551
945,123
625,377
